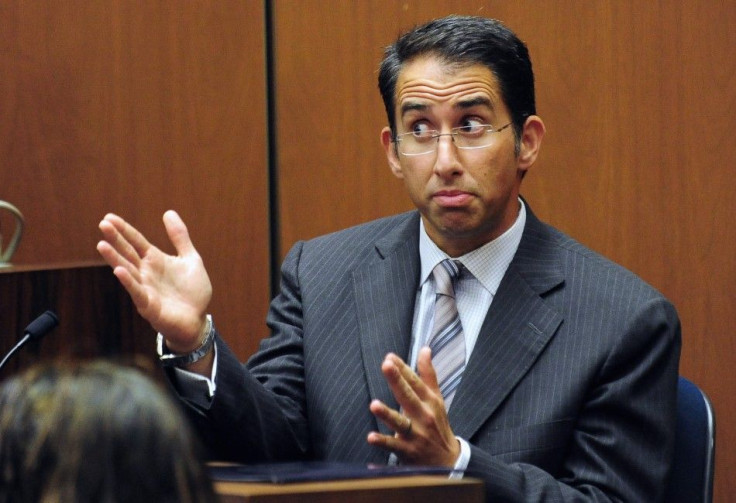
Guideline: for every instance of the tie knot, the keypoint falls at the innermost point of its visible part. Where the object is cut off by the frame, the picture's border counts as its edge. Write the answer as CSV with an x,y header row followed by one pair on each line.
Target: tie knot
x,y
445,274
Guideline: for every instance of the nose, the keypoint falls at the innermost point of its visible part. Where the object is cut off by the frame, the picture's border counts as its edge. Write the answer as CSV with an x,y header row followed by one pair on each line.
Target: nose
x,y
447,162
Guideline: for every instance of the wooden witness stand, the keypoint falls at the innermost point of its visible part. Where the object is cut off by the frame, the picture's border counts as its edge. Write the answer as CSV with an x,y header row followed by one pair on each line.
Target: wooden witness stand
x,y
419,488
97,319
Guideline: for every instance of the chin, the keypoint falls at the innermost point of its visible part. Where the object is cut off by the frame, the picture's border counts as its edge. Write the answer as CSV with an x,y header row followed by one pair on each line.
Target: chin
x,y
459,230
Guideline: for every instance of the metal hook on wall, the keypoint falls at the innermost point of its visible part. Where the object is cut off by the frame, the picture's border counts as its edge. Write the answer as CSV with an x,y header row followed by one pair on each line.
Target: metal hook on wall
x,y
7,253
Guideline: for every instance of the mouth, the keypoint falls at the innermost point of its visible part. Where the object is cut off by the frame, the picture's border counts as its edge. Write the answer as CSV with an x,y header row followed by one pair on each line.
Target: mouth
x,y
452,198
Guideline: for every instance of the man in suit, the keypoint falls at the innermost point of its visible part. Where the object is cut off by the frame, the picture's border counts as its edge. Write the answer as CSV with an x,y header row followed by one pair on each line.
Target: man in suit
x,y
568,368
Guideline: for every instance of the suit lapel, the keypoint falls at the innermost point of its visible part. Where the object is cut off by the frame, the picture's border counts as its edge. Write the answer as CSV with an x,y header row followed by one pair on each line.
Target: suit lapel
x,y
385,292
517,328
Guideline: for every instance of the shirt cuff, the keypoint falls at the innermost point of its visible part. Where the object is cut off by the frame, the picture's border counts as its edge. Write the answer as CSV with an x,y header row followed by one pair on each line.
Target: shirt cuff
x,y
195,387
460,465
462,461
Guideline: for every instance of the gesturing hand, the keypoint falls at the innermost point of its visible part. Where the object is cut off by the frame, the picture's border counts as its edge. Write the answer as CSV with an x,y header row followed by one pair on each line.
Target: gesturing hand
x,y
423,434
171,292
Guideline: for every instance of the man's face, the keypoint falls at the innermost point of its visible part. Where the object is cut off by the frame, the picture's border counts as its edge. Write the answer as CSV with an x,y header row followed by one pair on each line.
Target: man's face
x,y
466,197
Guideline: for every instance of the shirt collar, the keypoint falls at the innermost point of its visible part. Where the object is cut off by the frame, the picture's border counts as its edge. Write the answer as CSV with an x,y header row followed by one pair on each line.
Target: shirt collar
x,y
488,263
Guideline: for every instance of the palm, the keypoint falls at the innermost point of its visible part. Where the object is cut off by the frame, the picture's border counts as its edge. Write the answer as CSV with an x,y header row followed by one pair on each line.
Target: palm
x,y
172,292
177,290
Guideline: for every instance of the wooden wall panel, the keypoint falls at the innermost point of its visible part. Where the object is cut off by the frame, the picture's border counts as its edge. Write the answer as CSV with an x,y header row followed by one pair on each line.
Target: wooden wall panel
x,y
97,319
138,107
332,171
639,103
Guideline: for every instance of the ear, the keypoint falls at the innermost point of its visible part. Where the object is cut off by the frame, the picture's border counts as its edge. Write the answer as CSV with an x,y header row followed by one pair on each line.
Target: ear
x,y
391,154
531,141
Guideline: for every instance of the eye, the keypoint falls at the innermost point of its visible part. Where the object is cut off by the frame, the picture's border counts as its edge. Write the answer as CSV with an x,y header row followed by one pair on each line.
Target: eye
x,y
472,126
421,131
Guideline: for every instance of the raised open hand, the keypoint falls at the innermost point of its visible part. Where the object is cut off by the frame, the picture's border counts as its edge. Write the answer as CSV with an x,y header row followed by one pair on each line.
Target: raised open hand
x,y
172,292
423,434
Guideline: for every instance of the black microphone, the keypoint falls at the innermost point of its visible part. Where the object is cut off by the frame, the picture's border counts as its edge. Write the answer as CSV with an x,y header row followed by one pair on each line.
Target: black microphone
x,y
34,331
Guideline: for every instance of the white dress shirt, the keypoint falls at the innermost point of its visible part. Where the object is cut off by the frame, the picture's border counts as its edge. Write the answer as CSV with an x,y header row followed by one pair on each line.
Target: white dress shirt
x,y
473,294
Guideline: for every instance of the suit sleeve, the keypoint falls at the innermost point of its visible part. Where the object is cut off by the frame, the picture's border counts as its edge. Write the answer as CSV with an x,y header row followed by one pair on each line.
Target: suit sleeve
x,y
258,412
623,439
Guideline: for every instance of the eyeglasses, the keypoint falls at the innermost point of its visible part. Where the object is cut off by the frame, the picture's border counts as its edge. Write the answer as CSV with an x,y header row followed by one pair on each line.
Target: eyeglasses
x,y
465,137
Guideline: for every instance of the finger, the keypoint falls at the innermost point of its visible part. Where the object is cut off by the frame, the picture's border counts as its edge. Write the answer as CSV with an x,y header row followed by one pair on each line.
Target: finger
x,y
406,371
178,233
419,388
426,370
135,289
130,234
108,253
125,238
387,442
398,382
112,236
392,418
115,258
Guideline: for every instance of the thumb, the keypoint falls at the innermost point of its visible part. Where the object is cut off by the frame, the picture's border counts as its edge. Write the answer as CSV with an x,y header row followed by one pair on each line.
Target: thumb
x,y
178,233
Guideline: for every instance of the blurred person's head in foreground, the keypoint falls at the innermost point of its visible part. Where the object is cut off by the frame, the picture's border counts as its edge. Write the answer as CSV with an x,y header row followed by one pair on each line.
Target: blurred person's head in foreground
x,y
95,432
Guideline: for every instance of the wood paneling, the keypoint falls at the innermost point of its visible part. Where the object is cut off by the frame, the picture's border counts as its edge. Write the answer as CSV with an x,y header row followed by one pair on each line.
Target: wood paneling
x,y
639,103
332,171
96,317
135,108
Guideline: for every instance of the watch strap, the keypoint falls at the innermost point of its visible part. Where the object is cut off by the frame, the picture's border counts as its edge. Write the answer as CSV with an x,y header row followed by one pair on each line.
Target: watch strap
x,y
169,359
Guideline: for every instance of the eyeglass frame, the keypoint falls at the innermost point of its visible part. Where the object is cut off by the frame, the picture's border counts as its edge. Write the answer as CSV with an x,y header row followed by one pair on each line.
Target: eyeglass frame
x,y
452,134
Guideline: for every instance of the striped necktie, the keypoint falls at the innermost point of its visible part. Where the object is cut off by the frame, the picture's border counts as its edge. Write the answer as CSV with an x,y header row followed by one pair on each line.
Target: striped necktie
x,y
447,340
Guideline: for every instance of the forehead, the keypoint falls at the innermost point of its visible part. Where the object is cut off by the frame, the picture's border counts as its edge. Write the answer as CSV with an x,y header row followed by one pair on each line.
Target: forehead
x,y
428,80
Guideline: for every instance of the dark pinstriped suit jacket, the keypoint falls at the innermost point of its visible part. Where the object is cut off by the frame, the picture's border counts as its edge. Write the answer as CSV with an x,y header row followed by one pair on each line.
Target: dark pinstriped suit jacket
x,y
569,394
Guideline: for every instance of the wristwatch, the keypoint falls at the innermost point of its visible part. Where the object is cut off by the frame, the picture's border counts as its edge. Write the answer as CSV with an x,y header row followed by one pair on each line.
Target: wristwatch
x,y
169,359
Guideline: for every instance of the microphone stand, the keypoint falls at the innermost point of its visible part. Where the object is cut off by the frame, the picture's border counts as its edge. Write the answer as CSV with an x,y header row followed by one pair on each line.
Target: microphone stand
x,y
34,331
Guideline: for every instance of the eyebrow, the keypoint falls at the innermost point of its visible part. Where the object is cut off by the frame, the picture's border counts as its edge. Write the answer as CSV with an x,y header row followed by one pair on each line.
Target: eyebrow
x,y
474,102
409,107
462,104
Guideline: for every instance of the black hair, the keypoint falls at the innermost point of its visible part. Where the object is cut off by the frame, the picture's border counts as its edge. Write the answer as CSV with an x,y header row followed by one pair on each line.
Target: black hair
x,y
461,41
